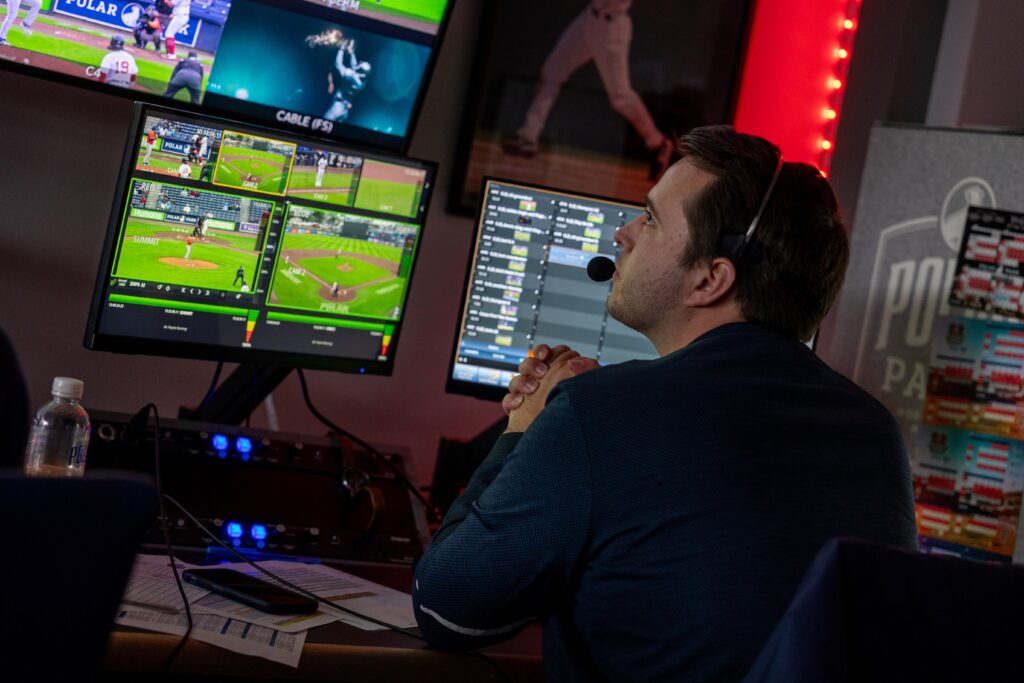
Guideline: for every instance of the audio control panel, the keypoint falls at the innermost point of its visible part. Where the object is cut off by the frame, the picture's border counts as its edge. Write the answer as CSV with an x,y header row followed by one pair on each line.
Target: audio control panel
x,y
268,492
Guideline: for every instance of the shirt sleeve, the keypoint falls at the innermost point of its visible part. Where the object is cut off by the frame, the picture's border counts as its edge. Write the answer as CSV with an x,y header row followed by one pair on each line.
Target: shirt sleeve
x,y
510,545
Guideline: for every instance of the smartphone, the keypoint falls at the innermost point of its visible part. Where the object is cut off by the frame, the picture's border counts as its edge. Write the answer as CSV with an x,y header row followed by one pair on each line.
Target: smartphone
x,y
250,591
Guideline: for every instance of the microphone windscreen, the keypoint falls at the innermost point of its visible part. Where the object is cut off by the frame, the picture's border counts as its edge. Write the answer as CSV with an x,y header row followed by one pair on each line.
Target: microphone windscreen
x,y
600,269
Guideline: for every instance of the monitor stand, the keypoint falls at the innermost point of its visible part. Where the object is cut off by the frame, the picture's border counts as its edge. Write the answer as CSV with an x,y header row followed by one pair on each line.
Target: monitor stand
x,y
238,395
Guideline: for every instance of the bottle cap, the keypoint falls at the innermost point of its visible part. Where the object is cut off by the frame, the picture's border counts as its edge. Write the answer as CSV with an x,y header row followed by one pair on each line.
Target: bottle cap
x,y
67,387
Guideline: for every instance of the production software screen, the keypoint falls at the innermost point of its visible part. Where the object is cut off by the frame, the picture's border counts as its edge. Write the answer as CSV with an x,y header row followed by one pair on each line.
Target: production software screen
x,y
528,285
235,239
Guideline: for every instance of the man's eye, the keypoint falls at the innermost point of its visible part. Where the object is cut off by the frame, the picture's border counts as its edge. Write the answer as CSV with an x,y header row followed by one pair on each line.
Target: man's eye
x,y
648,218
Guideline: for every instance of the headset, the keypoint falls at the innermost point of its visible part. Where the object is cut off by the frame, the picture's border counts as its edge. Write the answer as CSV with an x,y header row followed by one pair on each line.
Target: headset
x,y
736,246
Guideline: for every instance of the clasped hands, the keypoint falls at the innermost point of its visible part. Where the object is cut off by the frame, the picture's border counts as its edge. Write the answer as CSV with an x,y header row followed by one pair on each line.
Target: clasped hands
x,y
528,391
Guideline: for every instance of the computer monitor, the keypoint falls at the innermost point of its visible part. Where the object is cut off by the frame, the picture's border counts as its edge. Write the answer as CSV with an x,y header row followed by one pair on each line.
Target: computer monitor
x,y
348,69
232,242
527,284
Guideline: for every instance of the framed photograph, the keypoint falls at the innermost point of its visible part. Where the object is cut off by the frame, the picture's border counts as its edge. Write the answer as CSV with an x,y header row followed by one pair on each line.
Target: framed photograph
x,y
588,95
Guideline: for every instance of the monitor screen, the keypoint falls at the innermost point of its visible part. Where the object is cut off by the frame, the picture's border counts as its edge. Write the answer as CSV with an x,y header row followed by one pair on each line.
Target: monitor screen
x,y
527,285
353,70
232,242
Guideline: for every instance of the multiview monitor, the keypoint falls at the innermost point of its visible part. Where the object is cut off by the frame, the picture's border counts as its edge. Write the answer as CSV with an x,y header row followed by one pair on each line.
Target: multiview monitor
x,y
354,70
527,284
232,242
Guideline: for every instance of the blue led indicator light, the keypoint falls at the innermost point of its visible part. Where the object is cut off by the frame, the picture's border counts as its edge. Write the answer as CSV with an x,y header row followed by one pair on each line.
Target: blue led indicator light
x,y
260,544
235,530
220,442
258,531
246,457
223,455
243,444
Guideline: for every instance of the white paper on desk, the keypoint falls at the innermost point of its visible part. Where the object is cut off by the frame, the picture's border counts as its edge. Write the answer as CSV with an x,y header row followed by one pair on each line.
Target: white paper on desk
x,y
362,596
230,634
152,585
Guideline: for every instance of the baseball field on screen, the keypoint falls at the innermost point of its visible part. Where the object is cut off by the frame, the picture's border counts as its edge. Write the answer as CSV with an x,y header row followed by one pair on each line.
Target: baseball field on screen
x,y
308,266
336,187
155,251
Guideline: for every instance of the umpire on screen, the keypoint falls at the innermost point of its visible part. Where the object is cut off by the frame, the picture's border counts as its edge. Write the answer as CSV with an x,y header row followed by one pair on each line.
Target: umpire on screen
x,y
188,73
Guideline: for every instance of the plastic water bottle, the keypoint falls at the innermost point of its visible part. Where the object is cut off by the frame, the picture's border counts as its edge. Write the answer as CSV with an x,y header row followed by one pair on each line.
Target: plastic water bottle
x,y
60,433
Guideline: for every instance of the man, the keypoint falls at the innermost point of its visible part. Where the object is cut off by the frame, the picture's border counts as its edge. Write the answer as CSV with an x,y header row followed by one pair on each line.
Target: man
x,y
658,515
118,67
26,23
184,170
239,276
148,29
151,138
178,23
321,166
188,74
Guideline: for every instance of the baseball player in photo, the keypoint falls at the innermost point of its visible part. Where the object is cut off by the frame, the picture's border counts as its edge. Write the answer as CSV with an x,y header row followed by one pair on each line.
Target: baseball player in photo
x,y
12,13
188,247
321,166
118,67
184,170
239,275
601,33
177,24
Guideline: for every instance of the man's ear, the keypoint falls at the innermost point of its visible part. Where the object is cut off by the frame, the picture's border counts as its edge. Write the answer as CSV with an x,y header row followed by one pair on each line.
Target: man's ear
x,y
714,281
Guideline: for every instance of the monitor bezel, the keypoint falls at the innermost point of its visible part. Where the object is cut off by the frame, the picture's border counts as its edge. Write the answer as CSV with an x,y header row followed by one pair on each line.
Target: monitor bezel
x,y
366,138
474,389
97,341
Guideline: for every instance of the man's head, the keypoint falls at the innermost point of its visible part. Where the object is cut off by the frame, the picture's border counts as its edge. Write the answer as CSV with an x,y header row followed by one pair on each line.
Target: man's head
x,y
791,271
798,254
116,42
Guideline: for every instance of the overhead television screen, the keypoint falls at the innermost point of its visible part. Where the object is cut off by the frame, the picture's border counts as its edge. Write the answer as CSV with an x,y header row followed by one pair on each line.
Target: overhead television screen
x,y
233,242
354,70
527,284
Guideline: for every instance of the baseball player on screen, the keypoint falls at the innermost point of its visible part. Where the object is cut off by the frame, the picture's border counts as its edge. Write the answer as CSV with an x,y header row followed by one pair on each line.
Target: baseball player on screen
x,y
118,67
184,170
321,165
188,247
601,33
151,138
12,13
179,20
348,75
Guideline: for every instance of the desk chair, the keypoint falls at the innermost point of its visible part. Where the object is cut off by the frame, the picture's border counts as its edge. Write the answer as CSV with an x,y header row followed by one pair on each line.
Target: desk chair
x,y
69,547
866,613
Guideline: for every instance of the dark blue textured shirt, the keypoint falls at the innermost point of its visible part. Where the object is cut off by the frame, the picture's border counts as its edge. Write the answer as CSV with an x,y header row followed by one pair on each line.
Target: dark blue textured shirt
x,y
658,515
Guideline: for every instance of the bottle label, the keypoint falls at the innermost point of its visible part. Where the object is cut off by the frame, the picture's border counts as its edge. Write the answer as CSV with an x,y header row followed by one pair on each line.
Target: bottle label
x,y
76,456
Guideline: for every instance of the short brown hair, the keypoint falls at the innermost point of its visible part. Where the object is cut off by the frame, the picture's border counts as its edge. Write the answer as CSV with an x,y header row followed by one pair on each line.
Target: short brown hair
x,y
790,279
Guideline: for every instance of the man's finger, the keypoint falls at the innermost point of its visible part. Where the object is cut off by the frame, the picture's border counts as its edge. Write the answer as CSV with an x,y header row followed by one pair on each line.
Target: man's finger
x,y
531,367
511,402
580,365
521,384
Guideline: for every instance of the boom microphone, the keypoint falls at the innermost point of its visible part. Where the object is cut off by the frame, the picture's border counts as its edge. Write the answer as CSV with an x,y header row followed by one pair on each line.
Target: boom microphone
x,y
600,269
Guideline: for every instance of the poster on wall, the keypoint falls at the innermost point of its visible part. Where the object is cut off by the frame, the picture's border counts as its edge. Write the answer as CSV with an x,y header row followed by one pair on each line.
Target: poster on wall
x,y
587,96
917,188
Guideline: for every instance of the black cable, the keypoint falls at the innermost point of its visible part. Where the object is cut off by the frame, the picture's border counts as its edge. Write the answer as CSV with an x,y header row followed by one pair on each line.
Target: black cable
x,y
431,510
286,582
213,384
167,537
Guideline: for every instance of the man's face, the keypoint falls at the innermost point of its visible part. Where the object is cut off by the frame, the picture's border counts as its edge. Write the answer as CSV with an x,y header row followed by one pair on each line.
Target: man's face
x,y
649,279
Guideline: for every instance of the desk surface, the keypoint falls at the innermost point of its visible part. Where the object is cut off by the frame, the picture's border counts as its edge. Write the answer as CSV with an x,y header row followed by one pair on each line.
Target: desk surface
x,y
336,652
